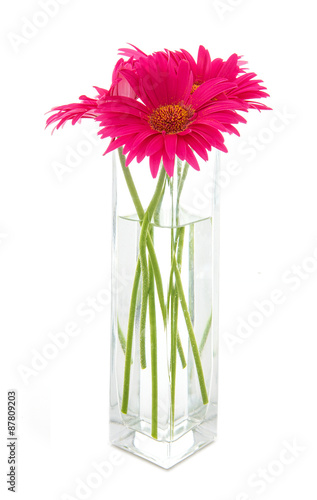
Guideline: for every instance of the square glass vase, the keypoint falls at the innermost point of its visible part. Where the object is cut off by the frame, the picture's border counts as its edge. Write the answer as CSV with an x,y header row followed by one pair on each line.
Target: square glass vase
x,y
164,332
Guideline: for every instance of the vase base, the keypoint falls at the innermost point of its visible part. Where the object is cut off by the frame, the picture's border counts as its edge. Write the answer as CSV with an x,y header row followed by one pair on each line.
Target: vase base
x,y
162,453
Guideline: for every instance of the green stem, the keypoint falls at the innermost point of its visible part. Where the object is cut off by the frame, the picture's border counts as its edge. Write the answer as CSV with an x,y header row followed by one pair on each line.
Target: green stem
x,y
142,251
181,351
131,186
174,324
140,212
145,287
121,337
191,333
170,282
128,353
158,277
158,281
174,314
152,315
180,237
182,181
205,334
180,247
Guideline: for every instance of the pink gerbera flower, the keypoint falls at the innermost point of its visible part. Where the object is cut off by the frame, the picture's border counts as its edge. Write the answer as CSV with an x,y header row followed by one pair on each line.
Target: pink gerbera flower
x,y
167,105
171,120
246,89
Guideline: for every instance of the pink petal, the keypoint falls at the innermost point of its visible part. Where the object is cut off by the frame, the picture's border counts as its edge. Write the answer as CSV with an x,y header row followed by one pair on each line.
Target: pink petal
x,y
155,145
181,148
196,146
155,161
170,144
191,158
168,164
114,144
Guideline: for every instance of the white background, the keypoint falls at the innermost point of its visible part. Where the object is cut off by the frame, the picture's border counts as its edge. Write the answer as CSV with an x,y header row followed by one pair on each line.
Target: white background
x,y
55,251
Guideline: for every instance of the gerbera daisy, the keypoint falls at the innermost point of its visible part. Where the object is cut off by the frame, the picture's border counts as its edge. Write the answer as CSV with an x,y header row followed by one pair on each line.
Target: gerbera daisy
x,y
247,87
170,121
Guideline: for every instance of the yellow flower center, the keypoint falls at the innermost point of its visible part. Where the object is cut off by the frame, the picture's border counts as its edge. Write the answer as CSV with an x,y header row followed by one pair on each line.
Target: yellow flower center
x,y
171,118
195,87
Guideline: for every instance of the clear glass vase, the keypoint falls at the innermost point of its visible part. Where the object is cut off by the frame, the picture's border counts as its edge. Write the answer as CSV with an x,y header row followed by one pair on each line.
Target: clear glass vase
x,y
164,344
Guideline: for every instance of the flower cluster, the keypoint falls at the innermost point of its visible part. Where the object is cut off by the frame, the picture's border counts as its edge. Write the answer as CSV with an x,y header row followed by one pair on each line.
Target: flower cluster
x,y
167,104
